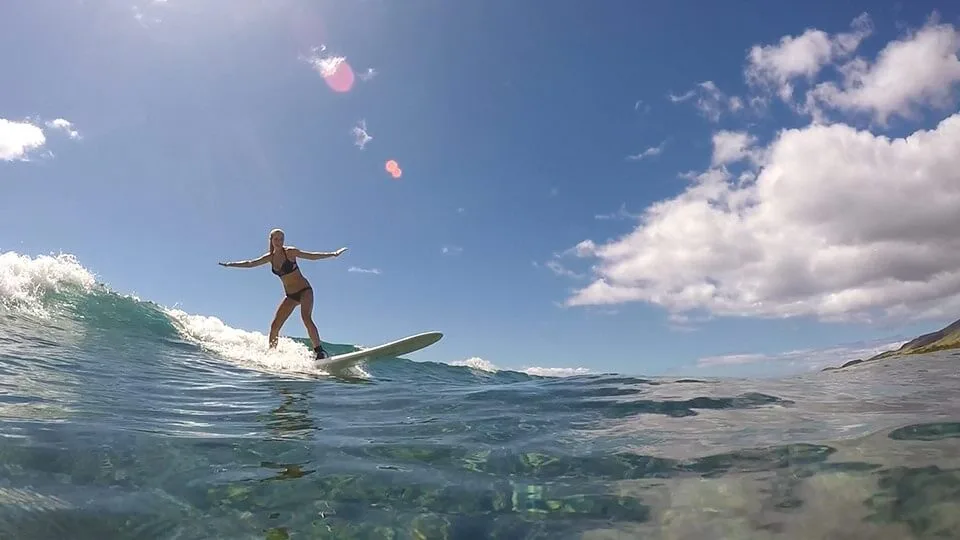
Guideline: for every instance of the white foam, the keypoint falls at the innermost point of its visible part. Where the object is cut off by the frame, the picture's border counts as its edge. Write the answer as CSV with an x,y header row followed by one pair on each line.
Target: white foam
x,y
24,280
480,364
247,349
555,371
476,363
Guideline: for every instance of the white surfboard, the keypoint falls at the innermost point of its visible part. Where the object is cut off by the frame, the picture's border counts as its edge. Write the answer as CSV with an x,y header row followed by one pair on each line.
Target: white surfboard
x,y
393,349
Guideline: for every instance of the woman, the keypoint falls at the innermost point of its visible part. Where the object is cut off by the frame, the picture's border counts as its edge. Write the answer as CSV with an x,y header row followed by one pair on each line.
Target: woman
x,y
283,263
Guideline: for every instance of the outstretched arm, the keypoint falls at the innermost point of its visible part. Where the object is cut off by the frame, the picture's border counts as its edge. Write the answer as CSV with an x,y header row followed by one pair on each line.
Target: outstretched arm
x,y
263,259
315,255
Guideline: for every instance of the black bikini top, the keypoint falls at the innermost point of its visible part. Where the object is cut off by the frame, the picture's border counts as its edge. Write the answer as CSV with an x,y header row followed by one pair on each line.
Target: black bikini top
x,y
287,267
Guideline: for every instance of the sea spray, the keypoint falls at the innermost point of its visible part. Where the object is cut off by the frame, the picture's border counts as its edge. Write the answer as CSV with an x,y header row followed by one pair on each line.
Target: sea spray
x,y
25,281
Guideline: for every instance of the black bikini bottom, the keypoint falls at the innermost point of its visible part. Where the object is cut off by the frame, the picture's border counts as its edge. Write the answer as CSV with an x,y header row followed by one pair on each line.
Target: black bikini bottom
x,y
295,296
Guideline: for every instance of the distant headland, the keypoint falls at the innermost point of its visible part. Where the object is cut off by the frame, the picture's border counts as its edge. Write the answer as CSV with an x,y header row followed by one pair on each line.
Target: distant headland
x,y
943,339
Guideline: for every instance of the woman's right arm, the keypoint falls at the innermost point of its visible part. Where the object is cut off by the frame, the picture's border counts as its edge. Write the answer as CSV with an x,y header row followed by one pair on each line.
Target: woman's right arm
x,y
263,259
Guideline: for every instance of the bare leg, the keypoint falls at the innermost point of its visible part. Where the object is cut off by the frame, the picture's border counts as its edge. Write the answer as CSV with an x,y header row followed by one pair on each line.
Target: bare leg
x,y
283,311
306,313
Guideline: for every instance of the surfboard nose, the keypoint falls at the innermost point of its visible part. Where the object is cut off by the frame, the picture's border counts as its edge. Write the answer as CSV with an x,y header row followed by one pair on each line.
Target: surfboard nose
x,y
393,349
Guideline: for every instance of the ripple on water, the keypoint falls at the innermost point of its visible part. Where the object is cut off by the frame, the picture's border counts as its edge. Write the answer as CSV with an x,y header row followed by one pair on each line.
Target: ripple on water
x,y
149,436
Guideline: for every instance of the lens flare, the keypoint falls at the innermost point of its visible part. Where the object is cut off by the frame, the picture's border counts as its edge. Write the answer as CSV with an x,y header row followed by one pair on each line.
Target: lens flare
x,y
336,72
392,168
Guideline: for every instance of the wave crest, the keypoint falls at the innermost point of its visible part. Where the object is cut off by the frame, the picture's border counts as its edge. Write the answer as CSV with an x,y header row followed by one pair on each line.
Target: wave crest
x,y
26,281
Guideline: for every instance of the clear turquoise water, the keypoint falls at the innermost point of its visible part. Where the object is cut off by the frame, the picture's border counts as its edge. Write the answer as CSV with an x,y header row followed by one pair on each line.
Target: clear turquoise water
x,y
122,419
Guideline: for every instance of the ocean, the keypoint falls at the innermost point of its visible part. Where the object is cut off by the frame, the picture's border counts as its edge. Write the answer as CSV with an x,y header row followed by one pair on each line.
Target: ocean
x,y
122,418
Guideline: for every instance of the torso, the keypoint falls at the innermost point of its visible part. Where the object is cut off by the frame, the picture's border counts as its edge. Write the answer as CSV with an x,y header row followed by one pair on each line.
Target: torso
x,y
287,269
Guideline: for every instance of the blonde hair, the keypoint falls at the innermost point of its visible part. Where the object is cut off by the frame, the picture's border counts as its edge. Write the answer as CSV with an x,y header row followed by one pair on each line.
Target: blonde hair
x,y
270,239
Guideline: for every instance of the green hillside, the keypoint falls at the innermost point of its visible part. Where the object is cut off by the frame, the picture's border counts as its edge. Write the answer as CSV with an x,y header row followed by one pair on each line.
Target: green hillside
x,y
945,338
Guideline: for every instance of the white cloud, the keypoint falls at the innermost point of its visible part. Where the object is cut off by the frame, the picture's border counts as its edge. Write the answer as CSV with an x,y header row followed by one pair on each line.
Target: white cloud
x,y
649,152
641,107
711,101
774,67
682,322
919,69
64,125
733,146
810,358
360,270
140,12
732,359
360,135
682,97
451,250
825,221
621,213
868,225
584,248
17,139
559,269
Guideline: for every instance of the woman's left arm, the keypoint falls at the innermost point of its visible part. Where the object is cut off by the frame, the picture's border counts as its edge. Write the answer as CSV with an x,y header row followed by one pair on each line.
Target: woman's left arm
x,y
315,255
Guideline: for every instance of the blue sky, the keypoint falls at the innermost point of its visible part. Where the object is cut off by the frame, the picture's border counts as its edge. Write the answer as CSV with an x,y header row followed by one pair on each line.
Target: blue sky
x,y
522,132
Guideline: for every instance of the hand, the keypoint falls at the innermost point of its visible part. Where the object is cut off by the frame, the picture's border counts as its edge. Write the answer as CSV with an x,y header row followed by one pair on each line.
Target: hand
x,y
339,251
